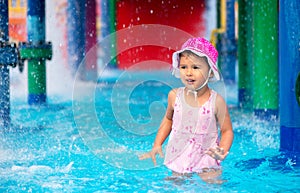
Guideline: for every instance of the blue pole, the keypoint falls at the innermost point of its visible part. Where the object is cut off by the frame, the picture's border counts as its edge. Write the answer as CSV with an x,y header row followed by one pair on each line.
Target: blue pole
x,y
228,49
289,70
108,19
4,70
105,24
105,20
76,33
8,57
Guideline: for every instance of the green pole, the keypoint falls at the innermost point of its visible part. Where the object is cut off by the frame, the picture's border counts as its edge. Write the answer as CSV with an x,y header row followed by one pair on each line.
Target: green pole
x,y
112,31
36,54
245,47
265,55
36,67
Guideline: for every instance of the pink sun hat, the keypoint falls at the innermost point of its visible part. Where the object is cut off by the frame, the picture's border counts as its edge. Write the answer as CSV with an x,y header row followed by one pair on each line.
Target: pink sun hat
x,y
201,47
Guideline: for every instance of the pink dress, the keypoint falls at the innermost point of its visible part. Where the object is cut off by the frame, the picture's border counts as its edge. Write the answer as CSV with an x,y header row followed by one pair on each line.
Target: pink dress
x,y
194,131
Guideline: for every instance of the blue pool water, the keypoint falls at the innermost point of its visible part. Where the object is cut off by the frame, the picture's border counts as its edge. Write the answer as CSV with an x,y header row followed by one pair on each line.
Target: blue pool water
x,y
90,143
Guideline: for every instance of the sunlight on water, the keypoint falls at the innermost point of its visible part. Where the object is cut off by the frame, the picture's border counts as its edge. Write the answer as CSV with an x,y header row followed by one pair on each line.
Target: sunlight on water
x,y
49,151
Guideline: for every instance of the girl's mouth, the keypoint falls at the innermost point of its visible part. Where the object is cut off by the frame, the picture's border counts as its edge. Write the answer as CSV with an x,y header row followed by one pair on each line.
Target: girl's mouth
x,y
190,81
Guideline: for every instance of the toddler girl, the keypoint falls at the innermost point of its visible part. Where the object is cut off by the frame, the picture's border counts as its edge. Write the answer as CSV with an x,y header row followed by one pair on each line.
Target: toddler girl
x,y
193,115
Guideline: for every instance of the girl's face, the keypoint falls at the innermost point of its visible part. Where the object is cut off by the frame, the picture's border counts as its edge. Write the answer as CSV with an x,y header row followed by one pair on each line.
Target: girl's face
x,y
193,70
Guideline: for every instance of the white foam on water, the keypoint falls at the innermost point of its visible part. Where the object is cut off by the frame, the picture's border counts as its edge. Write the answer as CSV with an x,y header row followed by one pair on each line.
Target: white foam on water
x,y
59,78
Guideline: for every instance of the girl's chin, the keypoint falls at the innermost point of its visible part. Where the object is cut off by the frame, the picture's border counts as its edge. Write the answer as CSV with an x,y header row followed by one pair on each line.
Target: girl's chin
x,y
190,87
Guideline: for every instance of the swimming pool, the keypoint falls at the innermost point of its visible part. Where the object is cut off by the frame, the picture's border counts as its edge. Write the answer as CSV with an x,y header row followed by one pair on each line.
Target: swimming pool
x,y
91,143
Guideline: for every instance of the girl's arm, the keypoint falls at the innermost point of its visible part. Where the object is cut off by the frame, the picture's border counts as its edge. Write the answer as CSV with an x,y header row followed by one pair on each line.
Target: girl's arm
x,y
224,121
163,131
225,124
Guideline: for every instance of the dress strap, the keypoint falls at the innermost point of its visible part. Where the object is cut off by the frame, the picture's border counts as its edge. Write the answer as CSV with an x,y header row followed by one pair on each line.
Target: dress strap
x,y
213,99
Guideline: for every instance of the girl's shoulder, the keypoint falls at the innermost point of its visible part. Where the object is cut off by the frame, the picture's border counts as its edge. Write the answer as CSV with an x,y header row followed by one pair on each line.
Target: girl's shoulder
x,y
175,91
172,95
220,102
219,98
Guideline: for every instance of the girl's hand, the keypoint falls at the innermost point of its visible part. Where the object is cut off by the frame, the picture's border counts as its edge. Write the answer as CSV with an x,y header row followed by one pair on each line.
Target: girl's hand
x,y
217,153
152,154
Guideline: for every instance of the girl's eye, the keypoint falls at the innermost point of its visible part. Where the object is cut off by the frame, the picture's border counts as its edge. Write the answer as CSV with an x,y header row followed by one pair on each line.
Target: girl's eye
x,y
182,67
196,67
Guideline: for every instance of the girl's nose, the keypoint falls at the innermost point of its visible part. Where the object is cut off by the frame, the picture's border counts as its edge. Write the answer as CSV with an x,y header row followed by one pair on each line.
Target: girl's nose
x,y
188,71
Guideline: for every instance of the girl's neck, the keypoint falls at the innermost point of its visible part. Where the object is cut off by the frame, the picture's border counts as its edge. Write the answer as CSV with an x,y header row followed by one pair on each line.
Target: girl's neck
x,y
198,93
197,98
